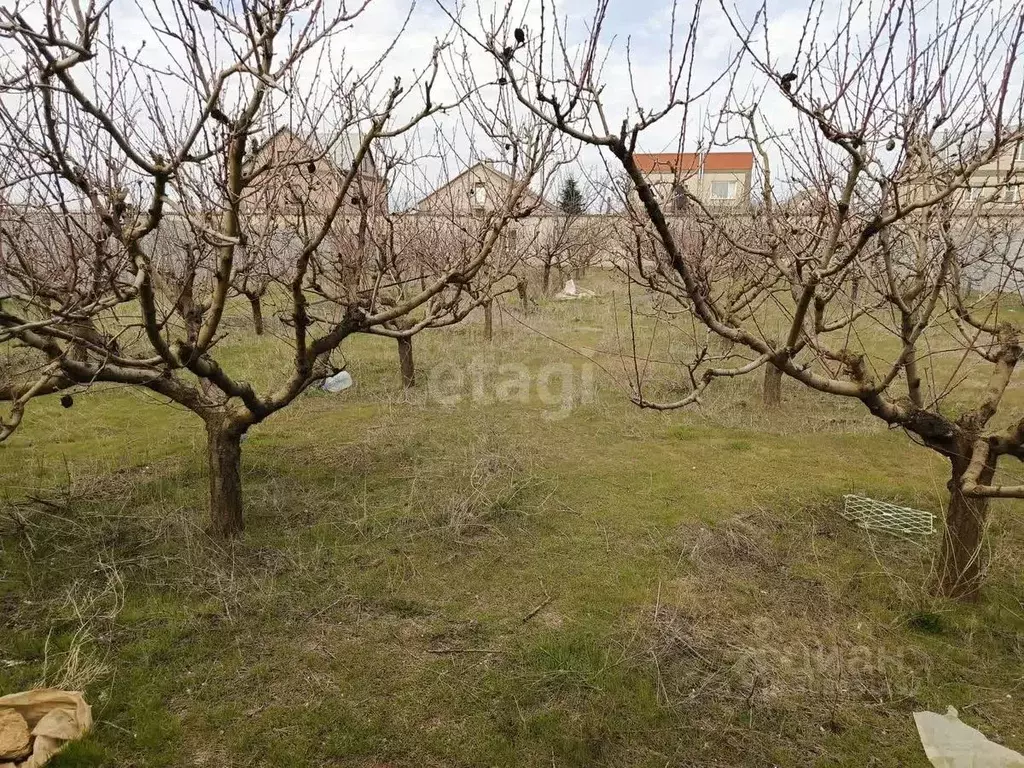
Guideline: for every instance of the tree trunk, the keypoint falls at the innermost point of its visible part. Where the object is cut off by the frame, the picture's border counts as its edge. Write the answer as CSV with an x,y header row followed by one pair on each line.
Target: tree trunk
x,y
772,393
406,362
546,286
489,320
524,297
257,314
224,449
960,563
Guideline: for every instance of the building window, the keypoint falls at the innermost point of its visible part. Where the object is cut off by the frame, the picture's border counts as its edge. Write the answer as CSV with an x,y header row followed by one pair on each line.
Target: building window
x,y
723,190
479,194
971,194
1018,153
1011,194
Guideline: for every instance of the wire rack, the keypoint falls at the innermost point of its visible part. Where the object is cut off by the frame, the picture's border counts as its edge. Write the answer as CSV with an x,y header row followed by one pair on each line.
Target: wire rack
x,y
874,515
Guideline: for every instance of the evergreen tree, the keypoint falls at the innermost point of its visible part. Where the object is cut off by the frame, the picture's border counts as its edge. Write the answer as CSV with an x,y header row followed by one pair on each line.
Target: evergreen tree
x,y
571,199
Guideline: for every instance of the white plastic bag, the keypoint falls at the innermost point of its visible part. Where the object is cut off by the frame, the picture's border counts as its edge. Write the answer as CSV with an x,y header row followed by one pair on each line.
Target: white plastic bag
x,y
340,381
573,291
949,743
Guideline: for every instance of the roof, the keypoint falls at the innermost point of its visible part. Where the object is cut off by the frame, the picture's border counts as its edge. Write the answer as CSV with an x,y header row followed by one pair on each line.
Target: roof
x,y
339,148
672,162
537,201
342,149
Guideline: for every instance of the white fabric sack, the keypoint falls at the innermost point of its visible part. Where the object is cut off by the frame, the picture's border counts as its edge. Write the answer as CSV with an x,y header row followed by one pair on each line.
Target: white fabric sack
x,y
949,743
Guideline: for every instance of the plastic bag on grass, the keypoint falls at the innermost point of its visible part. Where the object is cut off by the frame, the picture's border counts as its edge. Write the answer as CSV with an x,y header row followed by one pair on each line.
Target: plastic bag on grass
x,y
338,382
52,719
949,743
573,291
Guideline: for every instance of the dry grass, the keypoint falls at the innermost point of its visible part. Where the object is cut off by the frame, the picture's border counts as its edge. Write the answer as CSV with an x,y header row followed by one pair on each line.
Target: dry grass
x,y
424,584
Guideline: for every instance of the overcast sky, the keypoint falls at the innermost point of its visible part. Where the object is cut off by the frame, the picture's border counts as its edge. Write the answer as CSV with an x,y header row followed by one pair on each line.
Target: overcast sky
x,y
635,51
635,46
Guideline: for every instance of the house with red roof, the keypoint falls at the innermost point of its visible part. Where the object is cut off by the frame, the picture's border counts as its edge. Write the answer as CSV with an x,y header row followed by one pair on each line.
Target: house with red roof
x,y
714,178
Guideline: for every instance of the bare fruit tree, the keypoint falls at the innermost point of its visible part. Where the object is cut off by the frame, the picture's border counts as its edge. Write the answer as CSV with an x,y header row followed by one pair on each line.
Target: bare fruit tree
x,y
143,190
412,245
557,246
878,261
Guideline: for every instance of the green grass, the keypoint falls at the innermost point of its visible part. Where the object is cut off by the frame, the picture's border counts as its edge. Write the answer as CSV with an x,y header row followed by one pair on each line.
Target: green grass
x,y
494,584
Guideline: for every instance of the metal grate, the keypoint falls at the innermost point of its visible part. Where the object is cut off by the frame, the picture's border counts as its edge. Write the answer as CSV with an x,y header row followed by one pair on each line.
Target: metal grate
x,y
876,515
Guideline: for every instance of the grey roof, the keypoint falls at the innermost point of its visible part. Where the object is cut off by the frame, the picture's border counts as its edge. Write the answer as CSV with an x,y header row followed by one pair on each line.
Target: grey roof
x,y
339,147
342,149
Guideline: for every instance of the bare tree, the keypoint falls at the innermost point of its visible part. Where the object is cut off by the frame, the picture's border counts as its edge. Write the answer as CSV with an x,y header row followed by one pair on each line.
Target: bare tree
x,y
135,204
257,260
412,245
868,143
554,247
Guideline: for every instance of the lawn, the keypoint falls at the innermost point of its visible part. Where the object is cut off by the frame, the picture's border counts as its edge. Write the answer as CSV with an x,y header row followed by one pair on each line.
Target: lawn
x,y
493,570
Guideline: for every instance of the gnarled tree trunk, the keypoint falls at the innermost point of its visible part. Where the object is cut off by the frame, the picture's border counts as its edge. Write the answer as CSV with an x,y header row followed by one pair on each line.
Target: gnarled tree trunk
x,y
960,562
257,314
489,320
224,453
772,392
405,361
524,296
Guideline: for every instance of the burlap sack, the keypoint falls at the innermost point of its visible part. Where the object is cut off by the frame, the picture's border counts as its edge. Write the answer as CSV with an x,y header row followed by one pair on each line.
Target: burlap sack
x,y
53,717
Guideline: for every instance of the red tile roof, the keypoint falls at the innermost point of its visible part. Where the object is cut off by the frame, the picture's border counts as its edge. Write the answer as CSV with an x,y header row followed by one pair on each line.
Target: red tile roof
x,y
667,162
670,162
